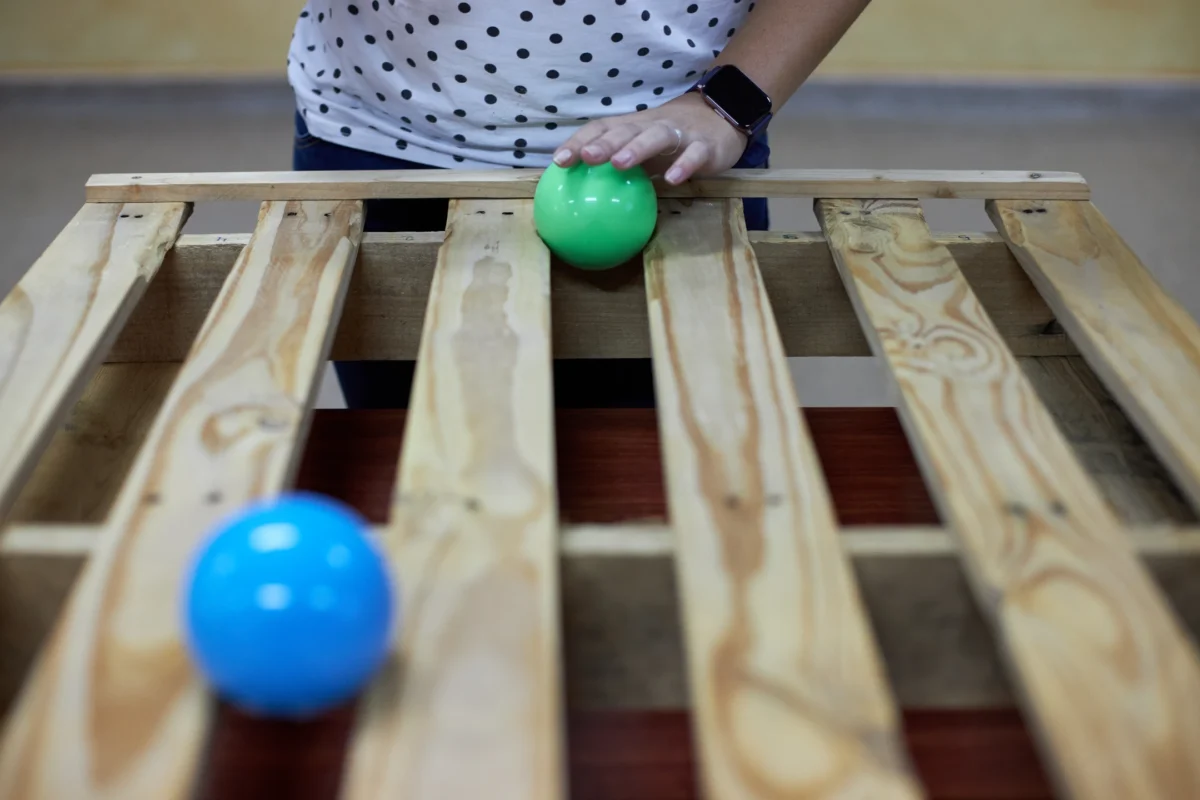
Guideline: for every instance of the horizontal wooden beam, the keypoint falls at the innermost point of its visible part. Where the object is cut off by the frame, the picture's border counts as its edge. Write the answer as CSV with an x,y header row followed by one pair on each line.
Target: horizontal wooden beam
x,y
502,183
648,540
594,315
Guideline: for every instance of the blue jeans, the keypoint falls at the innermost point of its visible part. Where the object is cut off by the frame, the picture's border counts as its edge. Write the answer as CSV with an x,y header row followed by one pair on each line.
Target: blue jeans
x,y
580,383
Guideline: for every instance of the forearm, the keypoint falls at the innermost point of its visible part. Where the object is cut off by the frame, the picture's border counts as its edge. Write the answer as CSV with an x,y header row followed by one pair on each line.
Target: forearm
x,y
783,41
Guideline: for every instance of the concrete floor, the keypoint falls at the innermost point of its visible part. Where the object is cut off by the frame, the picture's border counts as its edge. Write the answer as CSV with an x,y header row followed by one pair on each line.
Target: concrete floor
x,y
1145,172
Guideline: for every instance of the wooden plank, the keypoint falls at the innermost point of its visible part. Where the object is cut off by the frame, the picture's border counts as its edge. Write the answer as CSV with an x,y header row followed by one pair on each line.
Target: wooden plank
x,y
58,323
788,689
474,536
595,315
1101,659
501,183
113,709
1139,340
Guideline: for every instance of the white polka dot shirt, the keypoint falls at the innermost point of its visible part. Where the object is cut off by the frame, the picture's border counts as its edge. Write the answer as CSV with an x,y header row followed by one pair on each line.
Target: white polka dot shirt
x,y
493,82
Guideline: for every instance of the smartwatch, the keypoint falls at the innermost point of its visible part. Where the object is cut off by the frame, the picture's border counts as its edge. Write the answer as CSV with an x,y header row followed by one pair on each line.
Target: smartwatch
x,y
736,98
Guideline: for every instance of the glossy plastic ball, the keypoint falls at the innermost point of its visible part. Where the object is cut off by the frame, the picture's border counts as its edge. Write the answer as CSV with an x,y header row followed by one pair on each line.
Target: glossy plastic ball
x,y
595,217
288,607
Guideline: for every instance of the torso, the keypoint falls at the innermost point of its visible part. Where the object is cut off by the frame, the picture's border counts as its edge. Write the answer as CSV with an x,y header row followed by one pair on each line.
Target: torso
x,y
492,82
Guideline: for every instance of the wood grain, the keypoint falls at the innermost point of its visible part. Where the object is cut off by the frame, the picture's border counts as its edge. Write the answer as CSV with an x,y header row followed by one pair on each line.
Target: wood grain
x,y
1101,659
1138,339
502,183
57,324
595,315
471,704
787,685
113,709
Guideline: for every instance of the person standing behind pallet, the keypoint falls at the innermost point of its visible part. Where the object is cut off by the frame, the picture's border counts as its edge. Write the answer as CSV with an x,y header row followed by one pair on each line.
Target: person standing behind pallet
x,y
684,87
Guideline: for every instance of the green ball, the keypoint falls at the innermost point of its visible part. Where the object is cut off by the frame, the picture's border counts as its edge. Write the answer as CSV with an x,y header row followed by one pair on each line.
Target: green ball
x,y
595,217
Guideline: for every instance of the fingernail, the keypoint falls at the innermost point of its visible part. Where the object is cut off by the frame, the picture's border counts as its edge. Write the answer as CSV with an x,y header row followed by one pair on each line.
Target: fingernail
x,y
593,152
622,158
674,175
562,157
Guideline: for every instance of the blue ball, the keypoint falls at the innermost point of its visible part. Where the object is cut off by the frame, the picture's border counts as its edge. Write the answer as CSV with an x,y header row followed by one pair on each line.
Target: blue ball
x,y
288,607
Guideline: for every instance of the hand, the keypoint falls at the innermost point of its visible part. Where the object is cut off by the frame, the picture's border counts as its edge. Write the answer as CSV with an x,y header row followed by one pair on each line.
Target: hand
x,y
685,136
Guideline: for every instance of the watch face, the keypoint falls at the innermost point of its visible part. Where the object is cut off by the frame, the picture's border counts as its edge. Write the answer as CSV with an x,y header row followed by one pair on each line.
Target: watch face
x,y
737,95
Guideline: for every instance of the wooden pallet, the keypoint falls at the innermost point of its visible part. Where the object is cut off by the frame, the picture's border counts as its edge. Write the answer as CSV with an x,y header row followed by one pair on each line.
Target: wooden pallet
x,y
152,382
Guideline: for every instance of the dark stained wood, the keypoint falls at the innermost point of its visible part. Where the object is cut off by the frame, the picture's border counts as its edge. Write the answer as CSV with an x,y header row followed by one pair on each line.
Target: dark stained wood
x,y
610,468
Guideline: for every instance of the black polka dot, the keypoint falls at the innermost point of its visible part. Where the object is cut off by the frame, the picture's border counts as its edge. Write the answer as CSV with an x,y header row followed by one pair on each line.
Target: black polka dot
x,y
559,2
401,144
464,8
353,9
520,89
436,88
638,83
552,109
668,64
458,137
493,31
585,57
750,7
551,126
407,95
337,73
730,33
667,30
489,127
320,73
430,118
581,90
459,159
520,143
358,70
460,78
391,36
712,23
616,37
317,91
518,153
645,16
321,17
620,2
490,68
433,19
387,66
526,15
643,51
521,118
589,20
432,56
375,4
410,62
642,106
556,38
381,97
691,43
490,99
691,72
346,130
324,109
460,44
303,14
551,74
369,39
658,90
406,120
408,28
458,112
522,53
312,47
614,72
606,101
693,8
340,42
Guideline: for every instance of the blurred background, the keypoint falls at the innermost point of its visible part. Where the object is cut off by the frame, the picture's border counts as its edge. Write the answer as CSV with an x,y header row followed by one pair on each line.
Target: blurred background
x,y
1108,88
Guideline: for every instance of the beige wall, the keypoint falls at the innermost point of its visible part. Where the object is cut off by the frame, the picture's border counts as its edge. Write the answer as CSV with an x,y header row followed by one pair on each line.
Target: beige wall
x,y
1026,38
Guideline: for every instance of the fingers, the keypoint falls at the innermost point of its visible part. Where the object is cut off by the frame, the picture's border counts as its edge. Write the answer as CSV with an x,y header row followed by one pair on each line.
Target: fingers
x,y
603,148
692,160
569,152
659,138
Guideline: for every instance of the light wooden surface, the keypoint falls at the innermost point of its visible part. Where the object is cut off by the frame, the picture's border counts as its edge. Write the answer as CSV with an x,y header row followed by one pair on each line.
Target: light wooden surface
x,y
595,315
58,323
789,695
1100,657
507,183
113,709
471,704
1141,342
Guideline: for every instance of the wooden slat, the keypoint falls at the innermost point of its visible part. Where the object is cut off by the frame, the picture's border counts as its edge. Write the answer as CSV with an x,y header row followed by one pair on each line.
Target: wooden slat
x,y
501,183
113,709
1141,342
471,706
788,689
59,321
596,315
1099,656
